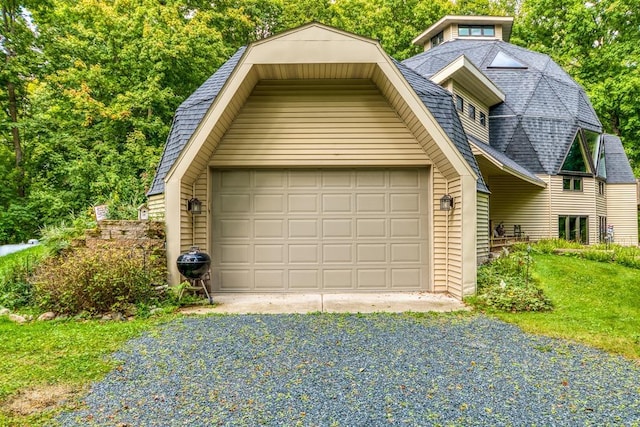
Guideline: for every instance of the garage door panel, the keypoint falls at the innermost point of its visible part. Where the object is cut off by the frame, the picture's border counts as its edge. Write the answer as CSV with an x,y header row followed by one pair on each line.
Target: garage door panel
x,y
337,253
269,204
406,252
404,178
368,203
336,203
304,279
372,253
372,279
303,203
234,229
337,228
303,228
269,254
371,228
405,203
269,228
269,279
235,254
306,254
337,279
405,227
235,203
315,230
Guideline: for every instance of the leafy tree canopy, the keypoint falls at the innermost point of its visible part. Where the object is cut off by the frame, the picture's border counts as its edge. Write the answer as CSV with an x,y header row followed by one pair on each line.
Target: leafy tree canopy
x,y
89,87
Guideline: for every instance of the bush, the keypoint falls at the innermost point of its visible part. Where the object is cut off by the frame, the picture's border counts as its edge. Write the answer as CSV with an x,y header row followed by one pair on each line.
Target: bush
x,y
506,284
15,290
98,281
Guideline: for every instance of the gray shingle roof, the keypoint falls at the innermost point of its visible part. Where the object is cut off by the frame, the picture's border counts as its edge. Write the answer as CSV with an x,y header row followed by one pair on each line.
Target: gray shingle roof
x,y
505,160
191,112
188,117
440,103
618,168
543,109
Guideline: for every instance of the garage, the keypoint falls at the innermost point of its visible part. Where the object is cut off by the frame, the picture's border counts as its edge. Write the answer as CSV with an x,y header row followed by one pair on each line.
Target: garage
x,y
327,230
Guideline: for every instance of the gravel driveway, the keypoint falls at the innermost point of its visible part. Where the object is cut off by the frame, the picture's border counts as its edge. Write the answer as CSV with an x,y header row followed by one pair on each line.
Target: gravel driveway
x,y
359,370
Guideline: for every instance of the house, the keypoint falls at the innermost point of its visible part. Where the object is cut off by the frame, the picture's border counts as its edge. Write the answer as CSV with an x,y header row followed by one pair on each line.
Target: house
x,y
323,165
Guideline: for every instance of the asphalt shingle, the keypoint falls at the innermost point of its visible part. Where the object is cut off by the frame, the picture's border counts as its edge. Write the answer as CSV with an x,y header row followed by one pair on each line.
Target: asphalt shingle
x,y
618,169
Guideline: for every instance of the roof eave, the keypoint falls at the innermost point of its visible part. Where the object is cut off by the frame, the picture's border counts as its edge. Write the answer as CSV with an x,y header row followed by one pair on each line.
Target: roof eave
x,y
505,21
466,73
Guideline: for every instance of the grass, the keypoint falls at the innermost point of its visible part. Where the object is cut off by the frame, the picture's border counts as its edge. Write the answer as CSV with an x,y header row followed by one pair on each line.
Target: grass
x,y
38,357
595,303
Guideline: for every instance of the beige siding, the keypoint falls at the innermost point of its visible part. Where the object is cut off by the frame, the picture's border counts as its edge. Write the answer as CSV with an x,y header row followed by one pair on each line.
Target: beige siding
x,y
156,207
578,203
516,202
447,238
483,227
200,223
622,212
316,123
473,127
186,224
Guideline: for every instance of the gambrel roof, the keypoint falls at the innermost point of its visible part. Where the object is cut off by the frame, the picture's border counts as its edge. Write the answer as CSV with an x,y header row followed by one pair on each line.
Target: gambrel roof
x,y
192,111
543,108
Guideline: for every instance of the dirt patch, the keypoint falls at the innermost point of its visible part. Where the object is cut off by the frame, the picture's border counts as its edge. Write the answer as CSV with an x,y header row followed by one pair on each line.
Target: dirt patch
x,y
39,399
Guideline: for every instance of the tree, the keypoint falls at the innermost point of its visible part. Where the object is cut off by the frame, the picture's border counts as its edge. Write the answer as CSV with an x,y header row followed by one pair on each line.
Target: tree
x,y
597,43
17,44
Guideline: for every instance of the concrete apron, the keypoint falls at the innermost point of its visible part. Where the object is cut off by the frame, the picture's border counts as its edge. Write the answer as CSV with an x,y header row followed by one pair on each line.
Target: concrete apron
x,y
396,302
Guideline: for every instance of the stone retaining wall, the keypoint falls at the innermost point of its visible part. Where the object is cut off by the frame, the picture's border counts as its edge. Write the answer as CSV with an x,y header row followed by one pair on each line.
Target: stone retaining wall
x,y
149,235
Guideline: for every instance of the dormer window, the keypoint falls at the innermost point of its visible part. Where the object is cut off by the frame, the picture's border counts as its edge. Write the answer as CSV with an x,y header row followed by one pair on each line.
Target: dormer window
x,y
459,103
437,39
476,30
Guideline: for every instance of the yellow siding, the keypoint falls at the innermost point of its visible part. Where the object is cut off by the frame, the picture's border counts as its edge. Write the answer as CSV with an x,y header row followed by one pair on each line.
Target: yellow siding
x,y
156,207
317,122
473,127
447,238
514,201
578,203
200,222
186,225
482,227
622,212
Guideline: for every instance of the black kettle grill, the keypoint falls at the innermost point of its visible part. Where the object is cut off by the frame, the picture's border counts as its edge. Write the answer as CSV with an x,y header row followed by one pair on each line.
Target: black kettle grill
x,y
194,265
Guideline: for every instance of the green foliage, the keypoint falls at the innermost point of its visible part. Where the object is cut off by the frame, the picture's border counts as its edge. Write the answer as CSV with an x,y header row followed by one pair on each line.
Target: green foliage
x,y
506,284
628,256
38,355
15,290
97,280
595,303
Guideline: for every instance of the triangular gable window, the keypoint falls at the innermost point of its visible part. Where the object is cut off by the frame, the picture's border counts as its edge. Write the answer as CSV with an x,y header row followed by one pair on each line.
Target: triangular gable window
x,y
575,160
502,60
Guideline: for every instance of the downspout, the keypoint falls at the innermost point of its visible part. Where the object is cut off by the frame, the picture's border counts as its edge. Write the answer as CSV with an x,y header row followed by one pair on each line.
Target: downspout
x,y
550,225
446,241
193,217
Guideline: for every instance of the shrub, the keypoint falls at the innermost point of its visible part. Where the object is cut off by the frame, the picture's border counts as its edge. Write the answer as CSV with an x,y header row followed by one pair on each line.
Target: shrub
x,y
97,280
15,269
506,284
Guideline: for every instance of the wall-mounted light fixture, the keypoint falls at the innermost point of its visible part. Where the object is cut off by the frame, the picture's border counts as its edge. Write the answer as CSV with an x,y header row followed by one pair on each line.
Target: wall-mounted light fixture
x,y
446,203
194,206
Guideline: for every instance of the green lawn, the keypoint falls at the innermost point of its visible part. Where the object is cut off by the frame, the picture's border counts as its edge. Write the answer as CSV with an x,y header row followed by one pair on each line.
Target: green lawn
x,y
37,355
595,303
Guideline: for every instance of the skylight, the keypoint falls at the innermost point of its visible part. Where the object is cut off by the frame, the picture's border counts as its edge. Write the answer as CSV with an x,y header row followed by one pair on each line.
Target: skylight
x,y
502,60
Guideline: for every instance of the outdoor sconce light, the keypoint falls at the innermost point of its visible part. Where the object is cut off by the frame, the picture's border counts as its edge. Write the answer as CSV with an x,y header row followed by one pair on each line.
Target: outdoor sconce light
x,y
194,206
446,203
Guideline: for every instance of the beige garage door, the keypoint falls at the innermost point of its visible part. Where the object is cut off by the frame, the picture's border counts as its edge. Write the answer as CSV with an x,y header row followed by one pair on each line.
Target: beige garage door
x,y
320,230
